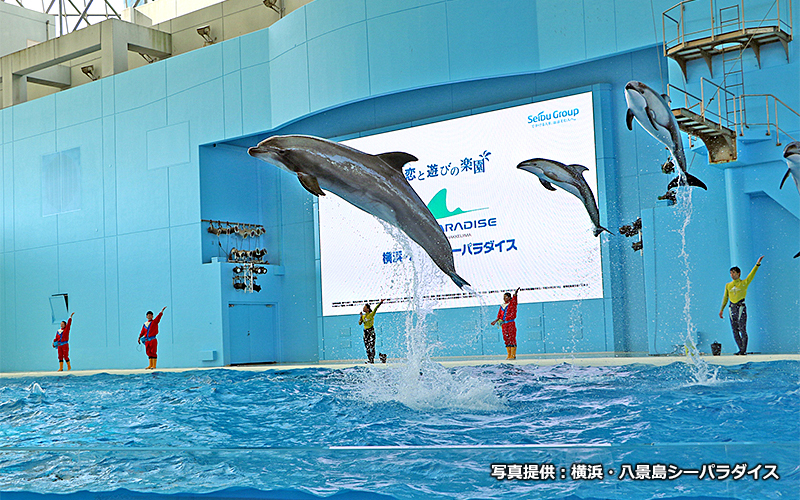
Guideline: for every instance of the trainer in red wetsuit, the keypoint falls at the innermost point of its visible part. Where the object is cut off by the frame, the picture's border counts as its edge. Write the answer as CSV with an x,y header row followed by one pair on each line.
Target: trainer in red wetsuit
x,y
149,332
61,342
506,316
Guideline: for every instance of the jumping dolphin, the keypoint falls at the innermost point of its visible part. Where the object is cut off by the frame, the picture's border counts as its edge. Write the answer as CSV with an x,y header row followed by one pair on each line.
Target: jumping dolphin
x,y
570,179
374,183
791,154
655,116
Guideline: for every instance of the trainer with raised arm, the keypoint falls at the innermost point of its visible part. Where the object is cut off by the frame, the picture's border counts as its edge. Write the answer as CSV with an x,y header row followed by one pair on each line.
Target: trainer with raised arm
x,y
735,291
367,319
148,336
61,342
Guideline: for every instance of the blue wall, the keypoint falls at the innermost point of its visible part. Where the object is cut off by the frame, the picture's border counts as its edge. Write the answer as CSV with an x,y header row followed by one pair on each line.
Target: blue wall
x,y
161,149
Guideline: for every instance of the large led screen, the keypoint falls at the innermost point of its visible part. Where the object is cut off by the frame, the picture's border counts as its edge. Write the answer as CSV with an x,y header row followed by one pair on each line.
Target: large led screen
x,y
506,230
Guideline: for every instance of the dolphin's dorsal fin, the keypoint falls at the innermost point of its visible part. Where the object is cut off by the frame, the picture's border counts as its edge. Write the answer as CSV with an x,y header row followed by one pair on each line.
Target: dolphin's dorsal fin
x,y
546,184
579,169
310,183
786,176
629,119
397,159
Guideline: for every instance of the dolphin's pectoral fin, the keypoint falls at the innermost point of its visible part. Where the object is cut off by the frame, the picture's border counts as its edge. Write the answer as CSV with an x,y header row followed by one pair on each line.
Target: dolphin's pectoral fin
x,y
651,115
547,185
784,180
397,159
629,119
310,183
666,98
797,255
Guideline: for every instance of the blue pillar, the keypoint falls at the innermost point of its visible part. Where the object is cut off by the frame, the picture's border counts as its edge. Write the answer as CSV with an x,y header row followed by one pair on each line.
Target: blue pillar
x,y
739,230
740,235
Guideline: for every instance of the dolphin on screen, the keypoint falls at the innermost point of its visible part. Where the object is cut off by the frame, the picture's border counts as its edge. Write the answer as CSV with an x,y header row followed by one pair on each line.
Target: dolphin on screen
x,y
570,179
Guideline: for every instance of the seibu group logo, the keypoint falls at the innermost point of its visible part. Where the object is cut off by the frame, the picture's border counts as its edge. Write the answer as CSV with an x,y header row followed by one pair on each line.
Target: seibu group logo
x,y
543,118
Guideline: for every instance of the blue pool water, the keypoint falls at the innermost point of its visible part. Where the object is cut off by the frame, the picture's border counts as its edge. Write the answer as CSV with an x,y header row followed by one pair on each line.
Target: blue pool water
x,y
407,432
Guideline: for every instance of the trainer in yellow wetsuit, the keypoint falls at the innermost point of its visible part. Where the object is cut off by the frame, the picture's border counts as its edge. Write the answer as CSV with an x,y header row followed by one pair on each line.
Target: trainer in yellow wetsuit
x,y
367,319
736,291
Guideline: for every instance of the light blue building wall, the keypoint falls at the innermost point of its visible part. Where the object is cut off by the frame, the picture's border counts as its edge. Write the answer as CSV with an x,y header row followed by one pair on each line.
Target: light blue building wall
x,y
162,147
759,219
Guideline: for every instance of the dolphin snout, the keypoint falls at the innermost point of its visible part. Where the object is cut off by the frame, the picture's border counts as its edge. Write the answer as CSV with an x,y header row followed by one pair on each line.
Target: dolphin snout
x,y
261,149
633,85
533,165
791,149
525,165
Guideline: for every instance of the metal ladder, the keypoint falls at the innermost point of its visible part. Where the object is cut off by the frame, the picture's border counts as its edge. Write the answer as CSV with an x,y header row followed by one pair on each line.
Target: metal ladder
x,y
732,67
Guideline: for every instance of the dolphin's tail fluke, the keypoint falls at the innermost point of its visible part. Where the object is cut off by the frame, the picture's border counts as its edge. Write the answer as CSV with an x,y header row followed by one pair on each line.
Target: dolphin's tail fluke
x,y
690,180
695,182
600,229
458,280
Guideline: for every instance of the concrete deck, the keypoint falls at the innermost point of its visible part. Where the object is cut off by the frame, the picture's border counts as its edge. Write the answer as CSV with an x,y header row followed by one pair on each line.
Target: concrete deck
x,y
727,360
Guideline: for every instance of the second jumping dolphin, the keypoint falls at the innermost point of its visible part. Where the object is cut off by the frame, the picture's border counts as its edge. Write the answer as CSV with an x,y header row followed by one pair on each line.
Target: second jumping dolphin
x,y
791,153
374,183
570,179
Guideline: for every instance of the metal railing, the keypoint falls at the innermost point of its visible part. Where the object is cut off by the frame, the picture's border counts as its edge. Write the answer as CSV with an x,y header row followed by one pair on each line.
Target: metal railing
x,y
745,123
675,19
736,119
705,108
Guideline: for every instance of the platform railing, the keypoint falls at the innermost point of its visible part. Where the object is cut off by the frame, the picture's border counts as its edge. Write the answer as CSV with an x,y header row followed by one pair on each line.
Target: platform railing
x,y
675,20
771,120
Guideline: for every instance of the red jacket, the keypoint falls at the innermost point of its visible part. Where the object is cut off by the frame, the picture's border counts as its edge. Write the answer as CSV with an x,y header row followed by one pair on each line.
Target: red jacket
x,y
510,312
153,327
63,336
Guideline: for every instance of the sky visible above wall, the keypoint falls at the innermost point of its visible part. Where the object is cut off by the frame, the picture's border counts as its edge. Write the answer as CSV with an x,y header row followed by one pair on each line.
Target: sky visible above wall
x,y
95,10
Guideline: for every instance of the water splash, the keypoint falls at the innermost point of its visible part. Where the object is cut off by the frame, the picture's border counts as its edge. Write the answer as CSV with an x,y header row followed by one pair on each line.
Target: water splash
x,y
35,389
684,205
575,328
424,385
418,382
700,369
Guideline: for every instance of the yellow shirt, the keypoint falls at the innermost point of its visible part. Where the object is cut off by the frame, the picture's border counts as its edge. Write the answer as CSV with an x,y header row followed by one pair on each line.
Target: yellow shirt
x,y
369,318
737,289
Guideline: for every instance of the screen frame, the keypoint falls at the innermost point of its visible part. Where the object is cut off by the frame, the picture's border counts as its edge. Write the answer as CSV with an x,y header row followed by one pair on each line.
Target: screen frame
x,y
605,165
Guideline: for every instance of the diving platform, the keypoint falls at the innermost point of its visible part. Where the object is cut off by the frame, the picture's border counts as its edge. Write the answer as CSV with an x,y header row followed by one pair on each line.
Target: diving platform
x,y
708,47
704,29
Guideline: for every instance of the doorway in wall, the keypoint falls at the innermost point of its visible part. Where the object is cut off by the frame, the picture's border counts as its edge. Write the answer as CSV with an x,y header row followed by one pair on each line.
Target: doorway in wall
x,y
252,333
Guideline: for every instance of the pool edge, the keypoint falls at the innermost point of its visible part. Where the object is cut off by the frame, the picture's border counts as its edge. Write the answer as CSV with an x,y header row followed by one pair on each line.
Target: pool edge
x,y
728,360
